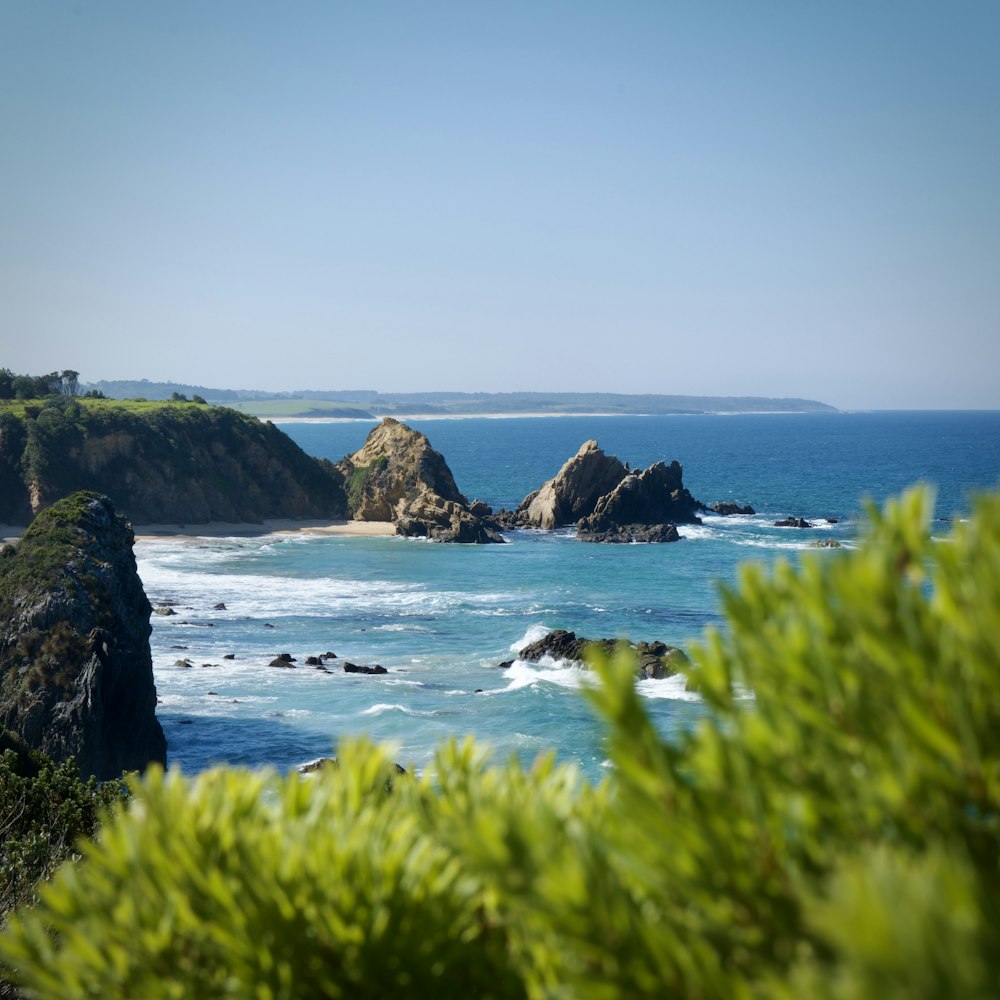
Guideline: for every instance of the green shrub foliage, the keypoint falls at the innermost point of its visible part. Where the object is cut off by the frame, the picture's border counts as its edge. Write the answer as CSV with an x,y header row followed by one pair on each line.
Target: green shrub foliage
x,y
828,829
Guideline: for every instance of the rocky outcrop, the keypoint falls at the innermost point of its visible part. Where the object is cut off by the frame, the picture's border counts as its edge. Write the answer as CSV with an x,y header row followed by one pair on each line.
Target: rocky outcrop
x,y
654,660
428,516
76,676
575,489
628,533
655,497
397,476
178,463
793,522
607,501
727,508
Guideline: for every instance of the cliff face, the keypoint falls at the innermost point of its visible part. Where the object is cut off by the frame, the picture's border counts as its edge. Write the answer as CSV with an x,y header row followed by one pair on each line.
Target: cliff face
x,y
397,476
76,676
183,463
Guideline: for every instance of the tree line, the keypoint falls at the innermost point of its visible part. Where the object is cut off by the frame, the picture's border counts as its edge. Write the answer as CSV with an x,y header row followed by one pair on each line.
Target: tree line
x,y
65,383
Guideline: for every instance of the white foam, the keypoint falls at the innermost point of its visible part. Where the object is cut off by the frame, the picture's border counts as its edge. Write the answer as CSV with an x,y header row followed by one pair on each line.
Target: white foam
x,y
673,688
534,634
382,707
563,673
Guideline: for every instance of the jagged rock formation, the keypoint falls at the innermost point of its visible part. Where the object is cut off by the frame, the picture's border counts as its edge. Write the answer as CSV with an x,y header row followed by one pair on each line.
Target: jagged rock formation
x,y
607,501
176,463
653,498
76,676
575,489
397,476
654,660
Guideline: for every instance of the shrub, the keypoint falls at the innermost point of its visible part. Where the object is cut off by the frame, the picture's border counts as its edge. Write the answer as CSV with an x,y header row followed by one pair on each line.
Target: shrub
x,y
829,829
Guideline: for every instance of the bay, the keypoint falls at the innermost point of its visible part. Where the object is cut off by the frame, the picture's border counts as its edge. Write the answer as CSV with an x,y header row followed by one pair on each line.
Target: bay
x,y
441,617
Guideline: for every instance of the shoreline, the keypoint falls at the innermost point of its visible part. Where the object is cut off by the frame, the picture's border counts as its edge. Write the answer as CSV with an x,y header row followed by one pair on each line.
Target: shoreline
x,y
10,533
517,416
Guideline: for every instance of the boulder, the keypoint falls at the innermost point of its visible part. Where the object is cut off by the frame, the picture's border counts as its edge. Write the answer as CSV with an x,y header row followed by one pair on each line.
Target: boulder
x,y
654,660
792,522
76,674
574,491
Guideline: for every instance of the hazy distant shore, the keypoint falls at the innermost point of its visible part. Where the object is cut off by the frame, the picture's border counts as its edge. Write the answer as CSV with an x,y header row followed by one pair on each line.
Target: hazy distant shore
x,y
404,417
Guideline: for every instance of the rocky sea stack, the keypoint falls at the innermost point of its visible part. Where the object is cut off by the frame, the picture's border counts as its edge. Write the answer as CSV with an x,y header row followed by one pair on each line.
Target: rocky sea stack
x,y
608,502
397,476
76,676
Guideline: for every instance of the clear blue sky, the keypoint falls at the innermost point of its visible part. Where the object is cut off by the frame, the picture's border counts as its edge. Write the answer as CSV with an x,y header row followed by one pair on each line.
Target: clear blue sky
x,y
763,198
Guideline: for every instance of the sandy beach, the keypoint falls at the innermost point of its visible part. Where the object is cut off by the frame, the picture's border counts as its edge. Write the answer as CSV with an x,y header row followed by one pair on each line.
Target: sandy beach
x,y
223,529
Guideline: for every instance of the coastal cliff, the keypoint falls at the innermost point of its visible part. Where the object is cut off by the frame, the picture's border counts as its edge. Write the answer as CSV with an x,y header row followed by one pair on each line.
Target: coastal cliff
x,y
181,463
397,476
76,676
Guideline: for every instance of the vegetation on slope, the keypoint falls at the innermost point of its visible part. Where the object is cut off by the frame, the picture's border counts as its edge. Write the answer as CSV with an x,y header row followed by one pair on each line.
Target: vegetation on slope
x,y
172,461
836,835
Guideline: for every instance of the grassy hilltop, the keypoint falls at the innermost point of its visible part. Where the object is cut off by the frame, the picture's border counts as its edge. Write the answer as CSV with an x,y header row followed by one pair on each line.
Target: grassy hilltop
x,y
175,461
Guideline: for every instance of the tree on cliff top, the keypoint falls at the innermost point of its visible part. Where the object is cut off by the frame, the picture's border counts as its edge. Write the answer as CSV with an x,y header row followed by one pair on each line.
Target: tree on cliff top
x,y
836,834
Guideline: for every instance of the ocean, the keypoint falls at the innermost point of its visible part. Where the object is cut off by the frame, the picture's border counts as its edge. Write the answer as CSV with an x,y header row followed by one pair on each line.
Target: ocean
x,y
440,618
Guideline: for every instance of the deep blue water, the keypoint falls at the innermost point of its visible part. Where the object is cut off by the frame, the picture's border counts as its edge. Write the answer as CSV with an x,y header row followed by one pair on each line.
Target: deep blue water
x,y
440,617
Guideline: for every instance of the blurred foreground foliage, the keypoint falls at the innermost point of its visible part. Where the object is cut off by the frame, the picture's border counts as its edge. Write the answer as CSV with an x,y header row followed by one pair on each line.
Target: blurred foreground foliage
x,y
830,829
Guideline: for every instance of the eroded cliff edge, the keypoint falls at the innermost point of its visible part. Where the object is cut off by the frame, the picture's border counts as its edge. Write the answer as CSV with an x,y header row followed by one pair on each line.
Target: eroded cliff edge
x,y
76,675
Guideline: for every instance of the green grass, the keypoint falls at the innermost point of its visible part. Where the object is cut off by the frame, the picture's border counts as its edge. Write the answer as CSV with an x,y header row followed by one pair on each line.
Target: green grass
x,y
18,407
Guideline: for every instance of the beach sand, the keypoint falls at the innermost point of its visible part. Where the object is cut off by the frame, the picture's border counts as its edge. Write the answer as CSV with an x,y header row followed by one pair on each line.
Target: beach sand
x,y
223,529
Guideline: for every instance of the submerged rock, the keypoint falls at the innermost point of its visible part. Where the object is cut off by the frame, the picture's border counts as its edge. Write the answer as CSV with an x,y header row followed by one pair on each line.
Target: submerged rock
x,y
654,660
75,664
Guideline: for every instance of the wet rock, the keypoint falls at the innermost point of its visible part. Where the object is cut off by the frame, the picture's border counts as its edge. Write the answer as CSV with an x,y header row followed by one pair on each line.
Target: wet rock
x,y
356,668
654,660
728,508
792,522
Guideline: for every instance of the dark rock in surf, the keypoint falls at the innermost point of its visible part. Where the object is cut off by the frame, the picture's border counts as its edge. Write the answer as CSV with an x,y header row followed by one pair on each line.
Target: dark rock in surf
x,y
727,508
356,668
654,660
792,522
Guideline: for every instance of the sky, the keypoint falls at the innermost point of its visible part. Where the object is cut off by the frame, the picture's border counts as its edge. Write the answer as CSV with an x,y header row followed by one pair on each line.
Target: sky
x,y
769,198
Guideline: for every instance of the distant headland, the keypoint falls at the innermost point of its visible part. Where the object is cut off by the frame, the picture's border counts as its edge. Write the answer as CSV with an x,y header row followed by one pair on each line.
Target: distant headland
x,y
369,404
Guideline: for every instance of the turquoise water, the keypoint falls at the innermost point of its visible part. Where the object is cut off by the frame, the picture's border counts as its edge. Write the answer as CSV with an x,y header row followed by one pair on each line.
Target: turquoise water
x,y
441,617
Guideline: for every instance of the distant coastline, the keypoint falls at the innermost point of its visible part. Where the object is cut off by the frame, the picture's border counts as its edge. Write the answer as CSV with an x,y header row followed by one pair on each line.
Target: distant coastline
x,y
369,404
374,418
